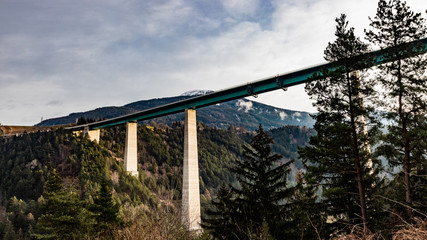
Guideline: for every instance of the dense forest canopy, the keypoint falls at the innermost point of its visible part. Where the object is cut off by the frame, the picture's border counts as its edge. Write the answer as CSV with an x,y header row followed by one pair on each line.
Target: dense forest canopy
x,y
84,165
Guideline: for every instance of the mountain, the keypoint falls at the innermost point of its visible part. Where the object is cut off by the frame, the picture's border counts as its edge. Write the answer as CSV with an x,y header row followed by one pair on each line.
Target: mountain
x,y
196,92
242,113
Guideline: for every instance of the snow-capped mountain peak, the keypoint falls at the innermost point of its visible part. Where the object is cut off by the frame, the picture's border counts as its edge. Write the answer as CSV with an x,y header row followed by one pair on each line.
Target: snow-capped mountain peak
x,y
196,92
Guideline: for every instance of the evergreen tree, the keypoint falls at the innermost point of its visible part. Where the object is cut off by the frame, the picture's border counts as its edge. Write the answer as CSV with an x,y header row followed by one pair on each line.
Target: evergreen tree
x,y
221,213
308,219
63,215
20,214
9,232
54,183
255,209
105,209
263,185
339,156
405,92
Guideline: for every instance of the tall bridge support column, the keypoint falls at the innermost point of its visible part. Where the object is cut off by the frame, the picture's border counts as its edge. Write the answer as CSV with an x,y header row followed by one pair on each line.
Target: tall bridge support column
x,y
93,134
131,149
190,190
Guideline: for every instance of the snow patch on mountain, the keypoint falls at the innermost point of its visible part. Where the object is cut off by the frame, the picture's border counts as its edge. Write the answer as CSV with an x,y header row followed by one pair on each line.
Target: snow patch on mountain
x,y
237,117
296,115
196,92
282,115
242,105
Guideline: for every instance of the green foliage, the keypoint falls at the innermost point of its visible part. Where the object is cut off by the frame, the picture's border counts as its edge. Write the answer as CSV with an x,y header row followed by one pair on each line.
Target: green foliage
x,y
82,163
9,232
54,183
20,218
220,214
288,139
255,208
23,160
93,166
63,215
405,89
218,149
328,162
105,209
308,219
160,154
85,165
338,157
135,190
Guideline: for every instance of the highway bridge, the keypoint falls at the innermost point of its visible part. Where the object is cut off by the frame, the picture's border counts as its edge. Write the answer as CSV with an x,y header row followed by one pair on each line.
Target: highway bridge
x,y
190,190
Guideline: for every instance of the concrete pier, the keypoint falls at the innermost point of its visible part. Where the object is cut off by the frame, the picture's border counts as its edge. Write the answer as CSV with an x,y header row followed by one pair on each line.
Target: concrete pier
x,y
131,148
190,189
93,134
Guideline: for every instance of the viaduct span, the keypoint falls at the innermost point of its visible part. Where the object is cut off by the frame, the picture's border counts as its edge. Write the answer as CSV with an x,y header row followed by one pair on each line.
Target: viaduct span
x,y
190,190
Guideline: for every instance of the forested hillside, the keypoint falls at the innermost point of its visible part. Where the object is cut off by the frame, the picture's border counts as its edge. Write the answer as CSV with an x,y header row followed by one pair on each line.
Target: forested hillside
x,y
84,166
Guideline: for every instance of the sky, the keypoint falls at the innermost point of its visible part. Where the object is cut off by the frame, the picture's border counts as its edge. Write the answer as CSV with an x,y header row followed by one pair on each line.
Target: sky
x,y
58,57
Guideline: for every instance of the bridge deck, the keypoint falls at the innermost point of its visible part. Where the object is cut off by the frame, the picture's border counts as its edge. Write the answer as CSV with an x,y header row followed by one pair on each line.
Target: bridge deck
x,y
245,90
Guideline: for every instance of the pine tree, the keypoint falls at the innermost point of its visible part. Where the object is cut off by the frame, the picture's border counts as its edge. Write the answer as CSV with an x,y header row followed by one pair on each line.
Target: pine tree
x,y
405,91
329,163
339,156
256,208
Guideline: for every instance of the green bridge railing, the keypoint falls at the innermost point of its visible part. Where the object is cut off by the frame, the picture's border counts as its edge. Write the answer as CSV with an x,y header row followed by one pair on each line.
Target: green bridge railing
x,y
261,86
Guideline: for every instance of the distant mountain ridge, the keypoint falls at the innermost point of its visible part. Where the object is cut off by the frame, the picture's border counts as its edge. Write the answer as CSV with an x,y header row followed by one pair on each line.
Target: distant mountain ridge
x,y
196,92
241,113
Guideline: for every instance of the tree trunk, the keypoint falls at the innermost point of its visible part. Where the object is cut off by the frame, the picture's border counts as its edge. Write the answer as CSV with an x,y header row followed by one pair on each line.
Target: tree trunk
x,y
356,153
407,156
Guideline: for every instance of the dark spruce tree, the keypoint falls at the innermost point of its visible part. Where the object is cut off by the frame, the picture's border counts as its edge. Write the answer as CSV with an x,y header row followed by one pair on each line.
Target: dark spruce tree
x,y
405,96
338,157
256,207
105,210
220,215
62,213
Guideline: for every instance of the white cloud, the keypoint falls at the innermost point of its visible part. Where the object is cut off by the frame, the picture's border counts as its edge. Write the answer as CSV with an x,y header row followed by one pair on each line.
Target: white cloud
x,y
98,53
163,19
